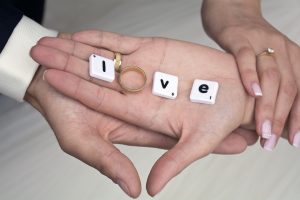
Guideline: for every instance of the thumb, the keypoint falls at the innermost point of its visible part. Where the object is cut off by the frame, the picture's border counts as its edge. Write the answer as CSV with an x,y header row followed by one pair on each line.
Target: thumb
x,y
237,142
174,161
103,156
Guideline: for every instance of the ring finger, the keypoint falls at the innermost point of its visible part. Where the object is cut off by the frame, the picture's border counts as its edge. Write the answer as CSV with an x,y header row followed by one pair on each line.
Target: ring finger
x,y
270,80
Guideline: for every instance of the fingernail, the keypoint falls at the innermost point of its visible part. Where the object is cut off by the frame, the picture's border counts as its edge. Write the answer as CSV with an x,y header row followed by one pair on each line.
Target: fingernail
x,y
266,129
124,187
270,143
296,140
44,74
256,89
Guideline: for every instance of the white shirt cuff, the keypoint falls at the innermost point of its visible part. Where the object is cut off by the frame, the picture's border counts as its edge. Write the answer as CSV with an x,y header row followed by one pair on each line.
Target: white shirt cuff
x,y
17,68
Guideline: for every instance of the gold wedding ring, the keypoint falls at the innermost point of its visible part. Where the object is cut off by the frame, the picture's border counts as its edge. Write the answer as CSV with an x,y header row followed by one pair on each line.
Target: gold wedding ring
x,y
267,52
122,71
132,69
118,62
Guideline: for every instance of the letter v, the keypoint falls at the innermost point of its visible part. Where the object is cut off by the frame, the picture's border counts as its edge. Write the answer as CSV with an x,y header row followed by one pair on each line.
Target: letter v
x,y
164,85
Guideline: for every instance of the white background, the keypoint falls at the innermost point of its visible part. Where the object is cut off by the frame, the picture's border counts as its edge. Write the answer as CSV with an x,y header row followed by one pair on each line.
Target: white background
x,y
32,166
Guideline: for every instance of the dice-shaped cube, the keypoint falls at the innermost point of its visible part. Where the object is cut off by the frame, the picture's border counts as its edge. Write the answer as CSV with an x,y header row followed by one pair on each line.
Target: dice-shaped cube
x,y
102,68
165,85
204,91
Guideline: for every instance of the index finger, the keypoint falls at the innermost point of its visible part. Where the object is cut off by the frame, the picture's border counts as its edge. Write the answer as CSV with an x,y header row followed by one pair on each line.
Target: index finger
x,y
111,41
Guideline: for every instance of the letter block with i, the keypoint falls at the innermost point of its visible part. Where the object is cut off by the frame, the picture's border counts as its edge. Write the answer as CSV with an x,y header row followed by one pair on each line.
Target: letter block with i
x,y
102,68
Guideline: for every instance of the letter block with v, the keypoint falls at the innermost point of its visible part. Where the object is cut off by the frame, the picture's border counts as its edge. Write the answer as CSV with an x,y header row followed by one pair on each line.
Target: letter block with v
x,y
165,85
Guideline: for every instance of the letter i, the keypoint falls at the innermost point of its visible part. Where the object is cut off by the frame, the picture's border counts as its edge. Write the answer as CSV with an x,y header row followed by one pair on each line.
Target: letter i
x,y
103,66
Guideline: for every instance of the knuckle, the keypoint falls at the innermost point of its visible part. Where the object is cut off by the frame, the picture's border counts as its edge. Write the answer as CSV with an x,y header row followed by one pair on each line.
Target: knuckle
x,y
272,73
290,89
244,51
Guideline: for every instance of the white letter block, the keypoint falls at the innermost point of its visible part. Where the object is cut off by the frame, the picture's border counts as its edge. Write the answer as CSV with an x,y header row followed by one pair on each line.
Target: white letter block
x,y
102,68
204,91
165,85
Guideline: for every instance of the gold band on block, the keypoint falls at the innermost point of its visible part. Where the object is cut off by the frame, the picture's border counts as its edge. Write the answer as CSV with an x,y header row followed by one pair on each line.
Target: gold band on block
x,y
118,62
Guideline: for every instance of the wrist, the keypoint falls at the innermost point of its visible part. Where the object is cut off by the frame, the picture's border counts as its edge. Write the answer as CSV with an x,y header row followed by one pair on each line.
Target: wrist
x,y
31,95
218,15
32,88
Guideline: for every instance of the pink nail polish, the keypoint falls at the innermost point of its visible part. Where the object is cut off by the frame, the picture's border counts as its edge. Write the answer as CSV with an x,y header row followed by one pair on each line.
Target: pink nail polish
x,y
296,140
256,89
270,143
44,74
266,129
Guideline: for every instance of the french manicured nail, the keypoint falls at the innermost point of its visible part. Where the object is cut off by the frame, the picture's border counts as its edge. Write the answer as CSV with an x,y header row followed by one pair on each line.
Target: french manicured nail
x,y
270,143
124,187
296,140
256,89
44,74
266,129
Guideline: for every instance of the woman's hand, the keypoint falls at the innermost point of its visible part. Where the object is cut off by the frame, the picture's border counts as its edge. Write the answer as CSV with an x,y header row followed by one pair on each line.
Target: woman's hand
x,y
199,127
239,27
